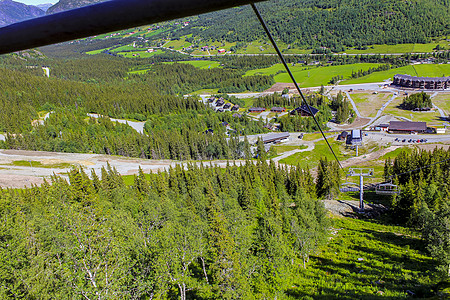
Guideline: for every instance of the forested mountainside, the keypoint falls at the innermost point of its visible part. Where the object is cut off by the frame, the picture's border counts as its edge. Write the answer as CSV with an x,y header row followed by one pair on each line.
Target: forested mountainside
x,y
319,23
70,4
329,23
44,6
12,12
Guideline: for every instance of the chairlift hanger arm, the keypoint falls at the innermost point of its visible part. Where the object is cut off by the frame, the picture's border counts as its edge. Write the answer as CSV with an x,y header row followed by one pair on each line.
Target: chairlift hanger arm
x,y
103,18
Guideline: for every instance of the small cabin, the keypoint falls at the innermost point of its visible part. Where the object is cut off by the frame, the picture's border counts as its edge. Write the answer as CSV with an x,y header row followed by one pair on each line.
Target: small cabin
x,y
256,109
278,109
304,111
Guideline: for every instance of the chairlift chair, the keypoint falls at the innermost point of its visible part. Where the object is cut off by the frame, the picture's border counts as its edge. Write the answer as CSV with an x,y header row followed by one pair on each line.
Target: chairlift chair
x,y
387,189
349,187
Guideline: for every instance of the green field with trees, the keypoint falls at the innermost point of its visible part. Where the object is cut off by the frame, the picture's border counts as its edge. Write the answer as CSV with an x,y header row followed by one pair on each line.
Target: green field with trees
x,y
425,70
312,76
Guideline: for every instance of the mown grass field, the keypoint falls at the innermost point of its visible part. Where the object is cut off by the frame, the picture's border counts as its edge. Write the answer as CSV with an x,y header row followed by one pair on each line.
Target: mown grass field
x,y
310,159
400,48
432,117
202,64
367,260
368,103
442,100
426,70
141,54
311,76
315,136
206,92
281,149
96,51
177,44
38,164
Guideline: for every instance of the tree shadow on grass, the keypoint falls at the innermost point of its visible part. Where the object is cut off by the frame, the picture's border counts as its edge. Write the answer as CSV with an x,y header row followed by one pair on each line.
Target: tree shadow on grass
x,y
399,239
380,268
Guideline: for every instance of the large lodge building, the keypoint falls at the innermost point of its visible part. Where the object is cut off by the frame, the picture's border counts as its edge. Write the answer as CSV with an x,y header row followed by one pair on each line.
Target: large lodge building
x,y
430,83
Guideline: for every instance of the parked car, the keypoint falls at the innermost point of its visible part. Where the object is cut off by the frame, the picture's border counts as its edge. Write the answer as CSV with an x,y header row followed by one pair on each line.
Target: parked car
x,y
403,140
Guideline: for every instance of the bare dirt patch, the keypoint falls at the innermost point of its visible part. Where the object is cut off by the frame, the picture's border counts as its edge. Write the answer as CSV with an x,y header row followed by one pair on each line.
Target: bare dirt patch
x,y
279,87
346,208
358,123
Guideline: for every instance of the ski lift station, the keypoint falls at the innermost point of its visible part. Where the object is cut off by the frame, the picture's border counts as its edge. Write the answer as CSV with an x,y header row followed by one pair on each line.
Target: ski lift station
x,y
356,137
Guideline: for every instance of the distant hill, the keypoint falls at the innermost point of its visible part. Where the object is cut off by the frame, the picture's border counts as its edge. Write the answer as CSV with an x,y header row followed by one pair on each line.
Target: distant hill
x,y
45,6
321,25
63,5
12,12
328,24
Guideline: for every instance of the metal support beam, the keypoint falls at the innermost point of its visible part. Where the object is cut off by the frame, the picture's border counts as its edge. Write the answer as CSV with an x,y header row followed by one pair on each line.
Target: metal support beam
x,y
103,18
361,172
361,193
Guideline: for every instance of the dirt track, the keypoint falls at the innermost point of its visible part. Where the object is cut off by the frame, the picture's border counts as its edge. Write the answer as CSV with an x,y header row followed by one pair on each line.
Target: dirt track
x,y
23,175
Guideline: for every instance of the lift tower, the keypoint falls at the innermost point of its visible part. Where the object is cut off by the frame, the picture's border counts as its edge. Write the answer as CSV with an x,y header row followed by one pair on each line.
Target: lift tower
x,y
361,172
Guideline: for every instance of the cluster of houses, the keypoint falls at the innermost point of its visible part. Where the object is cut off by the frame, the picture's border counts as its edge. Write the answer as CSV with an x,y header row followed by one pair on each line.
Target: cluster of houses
x,y
221,105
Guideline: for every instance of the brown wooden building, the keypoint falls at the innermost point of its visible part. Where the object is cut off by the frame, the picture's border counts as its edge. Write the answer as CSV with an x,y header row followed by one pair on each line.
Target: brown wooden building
x,y
429,83
407,127
256,109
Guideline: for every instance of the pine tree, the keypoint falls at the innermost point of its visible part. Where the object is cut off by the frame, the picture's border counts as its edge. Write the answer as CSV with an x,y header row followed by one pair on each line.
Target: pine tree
x,y
223,259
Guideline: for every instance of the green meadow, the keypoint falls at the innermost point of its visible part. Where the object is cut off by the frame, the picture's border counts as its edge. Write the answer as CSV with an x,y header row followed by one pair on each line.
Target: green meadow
x,y
141,54
366,259
311,76
442,100
431,117
202,64
96,51
399,48
310,159
426,70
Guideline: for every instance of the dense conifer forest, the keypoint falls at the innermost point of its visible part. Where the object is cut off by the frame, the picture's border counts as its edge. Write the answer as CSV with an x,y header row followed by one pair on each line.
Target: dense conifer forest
x,y
331,24
176,126
424,199
206,233
251,229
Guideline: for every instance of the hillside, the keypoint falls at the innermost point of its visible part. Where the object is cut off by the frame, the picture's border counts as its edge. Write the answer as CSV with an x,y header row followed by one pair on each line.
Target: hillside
x,y
45,6
323,25
70,4
12,12
329,23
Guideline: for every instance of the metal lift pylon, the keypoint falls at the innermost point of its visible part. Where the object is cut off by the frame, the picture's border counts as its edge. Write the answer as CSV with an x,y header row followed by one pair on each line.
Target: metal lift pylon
x,y
361,172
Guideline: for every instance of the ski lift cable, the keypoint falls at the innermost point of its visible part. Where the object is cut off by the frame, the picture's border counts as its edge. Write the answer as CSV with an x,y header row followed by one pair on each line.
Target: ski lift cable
x,y
280,55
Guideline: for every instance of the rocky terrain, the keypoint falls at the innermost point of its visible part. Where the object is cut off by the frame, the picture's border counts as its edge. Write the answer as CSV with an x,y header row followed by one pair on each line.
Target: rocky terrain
x,y
12,12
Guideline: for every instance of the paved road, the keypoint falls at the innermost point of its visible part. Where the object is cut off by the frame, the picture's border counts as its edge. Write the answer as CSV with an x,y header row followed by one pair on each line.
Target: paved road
x,y
310,145
441,112
380,111
138,126
353,104
383,137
